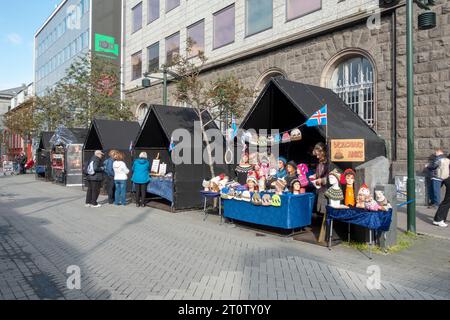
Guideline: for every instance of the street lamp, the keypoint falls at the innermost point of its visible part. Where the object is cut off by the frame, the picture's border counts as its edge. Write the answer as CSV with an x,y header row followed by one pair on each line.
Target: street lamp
x,y
427,20
146,82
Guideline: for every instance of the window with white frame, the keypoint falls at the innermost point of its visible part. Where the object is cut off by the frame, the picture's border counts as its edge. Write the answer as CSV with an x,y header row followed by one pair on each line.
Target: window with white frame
x,y
353,81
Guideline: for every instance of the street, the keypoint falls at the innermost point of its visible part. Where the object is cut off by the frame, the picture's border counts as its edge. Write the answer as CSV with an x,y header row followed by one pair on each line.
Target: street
x,y
137,253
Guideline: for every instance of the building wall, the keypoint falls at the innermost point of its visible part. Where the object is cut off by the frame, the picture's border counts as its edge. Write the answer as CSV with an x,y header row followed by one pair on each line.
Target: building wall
x,y
308,61
56,48
190,12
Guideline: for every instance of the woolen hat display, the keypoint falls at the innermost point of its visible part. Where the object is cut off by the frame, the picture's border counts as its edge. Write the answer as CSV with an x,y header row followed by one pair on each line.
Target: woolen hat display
x,y
292,164
252,179
276,201
282,159
336,173
266,200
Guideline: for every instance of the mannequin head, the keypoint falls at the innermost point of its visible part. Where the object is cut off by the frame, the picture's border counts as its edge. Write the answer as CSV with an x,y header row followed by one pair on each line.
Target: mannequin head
x,y
291,168
296,188
281,163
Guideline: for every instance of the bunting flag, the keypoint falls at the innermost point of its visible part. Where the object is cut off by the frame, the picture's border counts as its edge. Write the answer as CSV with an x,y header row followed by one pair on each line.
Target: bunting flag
x,y
320,118
172,145
234,127
131,146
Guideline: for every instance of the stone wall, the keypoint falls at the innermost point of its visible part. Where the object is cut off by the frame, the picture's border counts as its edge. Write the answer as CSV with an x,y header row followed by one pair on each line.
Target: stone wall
x,y
308,61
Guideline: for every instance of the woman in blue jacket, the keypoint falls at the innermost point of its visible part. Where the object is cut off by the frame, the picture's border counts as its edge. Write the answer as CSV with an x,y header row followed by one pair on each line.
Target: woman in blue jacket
x,y
141,178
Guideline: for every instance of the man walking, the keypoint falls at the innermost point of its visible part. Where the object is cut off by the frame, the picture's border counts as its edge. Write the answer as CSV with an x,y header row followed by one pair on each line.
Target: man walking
x,y
436,180
94,172
442,213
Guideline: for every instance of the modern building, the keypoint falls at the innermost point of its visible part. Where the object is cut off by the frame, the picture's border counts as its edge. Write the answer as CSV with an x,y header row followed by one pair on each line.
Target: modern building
x,y
16,144
72,30
5,106
357,48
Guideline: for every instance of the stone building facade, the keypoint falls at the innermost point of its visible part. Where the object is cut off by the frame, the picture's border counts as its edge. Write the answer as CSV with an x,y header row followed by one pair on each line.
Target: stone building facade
x,y
313,57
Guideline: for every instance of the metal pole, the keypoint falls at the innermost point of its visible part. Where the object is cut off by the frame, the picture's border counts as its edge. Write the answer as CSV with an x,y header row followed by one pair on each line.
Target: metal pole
x,y
411,188
165,87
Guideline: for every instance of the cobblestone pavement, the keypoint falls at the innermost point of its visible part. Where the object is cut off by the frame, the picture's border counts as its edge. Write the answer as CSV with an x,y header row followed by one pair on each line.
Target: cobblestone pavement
x,y
131,253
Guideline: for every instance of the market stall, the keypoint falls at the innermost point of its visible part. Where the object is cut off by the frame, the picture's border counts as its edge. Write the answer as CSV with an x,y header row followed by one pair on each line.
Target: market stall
x,y
43,161
177,184
66,156
107,135
290,107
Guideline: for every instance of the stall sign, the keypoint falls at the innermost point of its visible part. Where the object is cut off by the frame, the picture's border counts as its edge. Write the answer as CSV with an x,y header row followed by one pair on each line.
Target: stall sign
x,y
155,166
163,169
348,150
58,161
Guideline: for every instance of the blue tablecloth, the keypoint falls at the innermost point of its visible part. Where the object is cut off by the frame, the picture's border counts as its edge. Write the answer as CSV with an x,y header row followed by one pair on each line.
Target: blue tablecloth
x,y
162,187
295,212
378,221
40,169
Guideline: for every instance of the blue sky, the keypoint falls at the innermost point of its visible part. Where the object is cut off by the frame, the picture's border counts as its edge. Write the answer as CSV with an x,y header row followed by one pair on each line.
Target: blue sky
x,y
19,21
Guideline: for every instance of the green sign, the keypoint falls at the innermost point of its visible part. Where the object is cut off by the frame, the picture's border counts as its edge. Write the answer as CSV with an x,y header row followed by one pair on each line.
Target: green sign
x,y
106,44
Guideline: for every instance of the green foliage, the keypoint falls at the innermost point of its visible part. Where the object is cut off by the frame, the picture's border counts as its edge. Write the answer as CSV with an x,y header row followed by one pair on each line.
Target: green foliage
x,y
405,240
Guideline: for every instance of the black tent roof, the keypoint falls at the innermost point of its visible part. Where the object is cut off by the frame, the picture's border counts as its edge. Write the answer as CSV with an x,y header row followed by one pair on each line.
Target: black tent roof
x,y
285,105
44,143
80,135
111,134
65,136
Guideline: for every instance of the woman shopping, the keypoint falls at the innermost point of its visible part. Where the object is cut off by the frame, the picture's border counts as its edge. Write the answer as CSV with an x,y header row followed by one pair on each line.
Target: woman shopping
x,y
141,178
120,179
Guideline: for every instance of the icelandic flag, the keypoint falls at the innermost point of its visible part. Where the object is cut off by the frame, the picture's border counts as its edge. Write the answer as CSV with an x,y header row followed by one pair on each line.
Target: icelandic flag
x,y
320,118
234,127
172,145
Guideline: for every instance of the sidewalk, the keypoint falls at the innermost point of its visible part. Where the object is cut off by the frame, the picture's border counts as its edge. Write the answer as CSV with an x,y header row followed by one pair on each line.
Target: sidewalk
x,y
424,223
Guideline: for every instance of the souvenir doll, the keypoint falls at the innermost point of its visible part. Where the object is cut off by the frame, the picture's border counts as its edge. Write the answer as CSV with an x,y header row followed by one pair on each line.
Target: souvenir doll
x,y
381,200
334,193
362,194
296,187
319,179
349,182
281,168
296,135
243,169
291,169
252,184
302,171
280,186
372,205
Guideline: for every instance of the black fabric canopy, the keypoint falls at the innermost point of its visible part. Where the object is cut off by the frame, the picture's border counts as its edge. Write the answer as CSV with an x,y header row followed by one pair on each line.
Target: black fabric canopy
x,y
44,141
155,138
108,134
64,136
285,105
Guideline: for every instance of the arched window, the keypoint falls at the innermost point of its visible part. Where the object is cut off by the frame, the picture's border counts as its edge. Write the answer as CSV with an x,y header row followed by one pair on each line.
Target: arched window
x,y
352,78
141,113
265,78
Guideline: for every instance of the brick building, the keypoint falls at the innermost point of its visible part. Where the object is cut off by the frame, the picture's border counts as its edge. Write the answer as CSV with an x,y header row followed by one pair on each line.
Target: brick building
x,y
357,48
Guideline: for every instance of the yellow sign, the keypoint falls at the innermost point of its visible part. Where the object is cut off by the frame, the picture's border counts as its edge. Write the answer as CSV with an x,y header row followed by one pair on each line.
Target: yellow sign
x,y
351,150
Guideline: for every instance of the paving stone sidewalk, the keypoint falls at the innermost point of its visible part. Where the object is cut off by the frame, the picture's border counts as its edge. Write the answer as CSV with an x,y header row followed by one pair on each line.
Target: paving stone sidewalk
x,y
131,253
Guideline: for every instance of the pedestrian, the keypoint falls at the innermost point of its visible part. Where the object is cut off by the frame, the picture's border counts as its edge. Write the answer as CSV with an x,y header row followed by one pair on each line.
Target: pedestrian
x,y
120,179
23,162
141,178
436,181
94,177
109,176
442,213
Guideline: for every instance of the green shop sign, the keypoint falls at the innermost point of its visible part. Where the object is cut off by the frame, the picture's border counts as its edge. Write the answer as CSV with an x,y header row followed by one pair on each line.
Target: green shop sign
x,y
106,44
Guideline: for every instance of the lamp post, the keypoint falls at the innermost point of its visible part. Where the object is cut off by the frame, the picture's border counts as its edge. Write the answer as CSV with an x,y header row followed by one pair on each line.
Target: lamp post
x,y
146,82
426,21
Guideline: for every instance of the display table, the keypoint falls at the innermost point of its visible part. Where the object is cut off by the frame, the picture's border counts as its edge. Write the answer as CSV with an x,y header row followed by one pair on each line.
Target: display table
x,y
212,195
162,187
372,220
295,212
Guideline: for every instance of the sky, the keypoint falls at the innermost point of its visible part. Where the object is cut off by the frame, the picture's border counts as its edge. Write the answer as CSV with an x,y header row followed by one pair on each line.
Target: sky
x,y
19,21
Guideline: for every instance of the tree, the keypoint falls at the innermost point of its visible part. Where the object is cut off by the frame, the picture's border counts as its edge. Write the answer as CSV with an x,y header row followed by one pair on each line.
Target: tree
x,y
51,112
225,95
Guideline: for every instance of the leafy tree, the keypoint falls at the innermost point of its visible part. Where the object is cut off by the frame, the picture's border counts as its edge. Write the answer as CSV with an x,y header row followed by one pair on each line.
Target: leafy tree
x,y
225,95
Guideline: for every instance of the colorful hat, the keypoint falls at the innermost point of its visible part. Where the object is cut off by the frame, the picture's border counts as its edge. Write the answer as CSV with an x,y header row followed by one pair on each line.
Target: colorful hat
x,y
276,201
286,138
282,159
292,164
280,183
256,199
252,179
262,141
266,200
336,173
276,138
347,173
364,190
246,196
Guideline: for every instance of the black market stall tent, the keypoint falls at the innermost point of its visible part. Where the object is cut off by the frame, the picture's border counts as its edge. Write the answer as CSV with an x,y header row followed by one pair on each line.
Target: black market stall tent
x,y
107,135
155,139
66,156
43,160
286,105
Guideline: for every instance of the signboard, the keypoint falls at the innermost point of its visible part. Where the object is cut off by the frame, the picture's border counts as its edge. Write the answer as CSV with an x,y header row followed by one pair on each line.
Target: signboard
x,y
348,150
421,190
155,166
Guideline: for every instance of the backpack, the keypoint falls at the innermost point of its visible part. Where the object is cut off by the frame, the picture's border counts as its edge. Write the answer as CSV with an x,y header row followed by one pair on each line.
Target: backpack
x,y
90,169
443,172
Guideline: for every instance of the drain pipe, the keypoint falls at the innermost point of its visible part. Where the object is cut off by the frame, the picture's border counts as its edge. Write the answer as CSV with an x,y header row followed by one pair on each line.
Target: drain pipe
x,y
394,83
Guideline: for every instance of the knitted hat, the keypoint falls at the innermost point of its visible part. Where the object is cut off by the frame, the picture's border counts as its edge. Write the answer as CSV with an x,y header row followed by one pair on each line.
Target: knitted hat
x,y
292,164
364,190
280,183
282,159
347,173
336,173
252,179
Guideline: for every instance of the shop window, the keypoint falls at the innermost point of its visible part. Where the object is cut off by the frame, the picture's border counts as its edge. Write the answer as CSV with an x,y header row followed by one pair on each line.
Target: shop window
x,y
196,34
224,27
137,17
136,65
298,8
258,16
353,80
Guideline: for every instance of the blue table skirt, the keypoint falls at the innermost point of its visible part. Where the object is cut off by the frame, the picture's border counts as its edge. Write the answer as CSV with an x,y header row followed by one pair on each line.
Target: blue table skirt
x,y
378,221
41,169
295,212
161,187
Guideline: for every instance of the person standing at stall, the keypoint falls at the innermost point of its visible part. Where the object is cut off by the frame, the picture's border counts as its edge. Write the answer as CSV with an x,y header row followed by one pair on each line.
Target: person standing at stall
x,y
442,213
109,176
94,177
141,178
320,178
436,180
121,172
